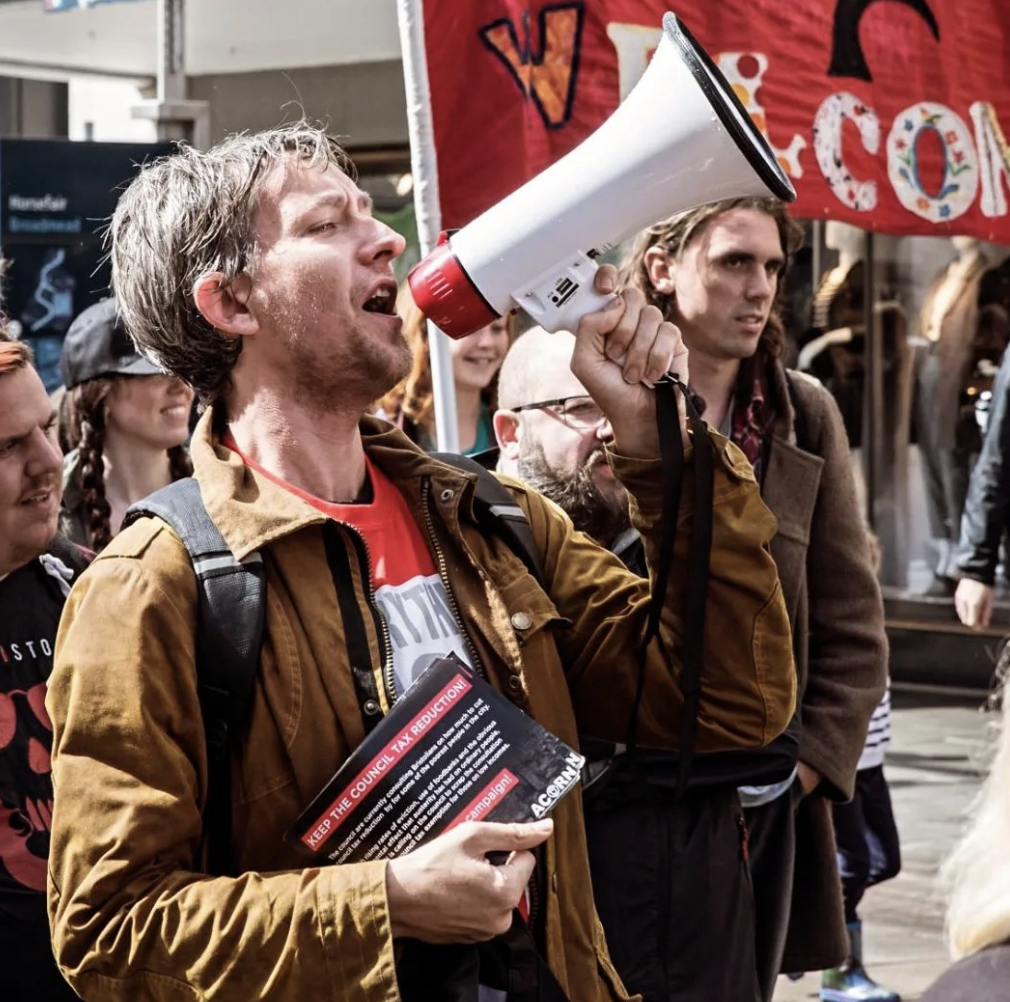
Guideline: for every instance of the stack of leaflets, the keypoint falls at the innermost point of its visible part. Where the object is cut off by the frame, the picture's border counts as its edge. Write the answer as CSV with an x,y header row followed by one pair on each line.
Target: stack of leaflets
x,y
452,749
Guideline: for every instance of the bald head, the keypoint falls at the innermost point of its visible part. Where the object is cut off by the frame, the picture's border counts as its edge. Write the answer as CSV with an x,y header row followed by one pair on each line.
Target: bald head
x,y
557,450
537,367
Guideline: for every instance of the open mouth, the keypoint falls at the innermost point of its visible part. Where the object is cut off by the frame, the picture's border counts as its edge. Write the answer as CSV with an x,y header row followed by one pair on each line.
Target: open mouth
x,y
382,301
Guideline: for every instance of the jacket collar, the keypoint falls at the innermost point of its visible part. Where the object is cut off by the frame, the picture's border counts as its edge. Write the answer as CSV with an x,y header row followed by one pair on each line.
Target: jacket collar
x,y
252,511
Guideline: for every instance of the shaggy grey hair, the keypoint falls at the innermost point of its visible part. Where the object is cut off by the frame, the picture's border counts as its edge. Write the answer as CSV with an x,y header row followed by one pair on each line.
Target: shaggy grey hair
x,y
187,215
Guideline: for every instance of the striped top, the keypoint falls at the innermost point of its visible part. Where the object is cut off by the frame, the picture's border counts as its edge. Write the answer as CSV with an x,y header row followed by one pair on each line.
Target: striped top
x,y
879,735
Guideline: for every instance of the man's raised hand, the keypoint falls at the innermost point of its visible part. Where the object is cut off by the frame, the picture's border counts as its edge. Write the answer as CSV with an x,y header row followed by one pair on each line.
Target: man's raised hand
x,y
619,351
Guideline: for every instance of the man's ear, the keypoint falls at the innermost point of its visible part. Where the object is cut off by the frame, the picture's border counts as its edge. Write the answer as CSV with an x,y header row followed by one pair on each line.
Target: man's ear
x,y
224,304
506,431
660,270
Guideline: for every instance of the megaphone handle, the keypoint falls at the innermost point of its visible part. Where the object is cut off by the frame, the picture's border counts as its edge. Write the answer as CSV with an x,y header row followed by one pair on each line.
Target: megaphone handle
x,y
559,300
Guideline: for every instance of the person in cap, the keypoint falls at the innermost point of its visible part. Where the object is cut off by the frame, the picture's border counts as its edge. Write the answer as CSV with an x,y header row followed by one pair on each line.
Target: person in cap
x,y
129,421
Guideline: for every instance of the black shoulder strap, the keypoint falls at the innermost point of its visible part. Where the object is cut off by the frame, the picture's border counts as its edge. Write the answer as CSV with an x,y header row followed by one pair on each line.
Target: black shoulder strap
x,y
228,638
698,560
496,508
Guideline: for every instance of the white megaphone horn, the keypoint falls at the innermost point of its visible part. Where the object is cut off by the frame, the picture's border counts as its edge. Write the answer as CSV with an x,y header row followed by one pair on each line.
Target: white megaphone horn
x,y
680,139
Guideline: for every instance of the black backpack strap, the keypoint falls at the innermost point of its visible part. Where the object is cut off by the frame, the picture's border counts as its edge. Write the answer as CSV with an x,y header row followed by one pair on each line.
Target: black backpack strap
x,y
699,555
228,638
496,508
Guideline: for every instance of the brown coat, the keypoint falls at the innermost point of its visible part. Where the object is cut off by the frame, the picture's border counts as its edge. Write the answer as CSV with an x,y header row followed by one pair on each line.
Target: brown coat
x,y
834,603
132,917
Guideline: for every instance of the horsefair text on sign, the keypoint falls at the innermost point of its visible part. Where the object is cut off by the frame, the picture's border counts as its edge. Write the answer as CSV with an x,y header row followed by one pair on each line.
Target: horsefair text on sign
x,y
889,114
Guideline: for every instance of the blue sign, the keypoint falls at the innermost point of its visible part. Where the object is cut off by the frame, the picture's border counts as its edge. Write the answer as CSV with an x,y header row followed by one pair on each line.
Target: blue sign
x,y
56,196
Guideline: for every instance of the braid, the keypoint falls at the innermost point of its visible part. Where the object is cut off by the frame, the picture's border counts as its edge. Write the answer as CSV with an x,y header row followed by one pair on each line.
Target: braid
x,y
88,423
97,512
179,463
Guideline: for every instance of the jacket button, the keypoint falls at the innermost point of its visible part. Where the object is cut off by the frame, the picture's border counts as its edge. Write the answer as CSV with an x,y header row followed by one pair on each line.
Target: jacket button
x,y
554,882
371,707
515,683
446,495
521,620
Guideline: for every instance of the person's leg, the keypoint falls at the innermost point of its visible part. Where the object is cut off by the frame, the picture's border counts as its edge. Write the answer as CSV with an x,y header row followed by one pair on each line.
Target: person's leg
x,y
862,851
955,465
925,418
853,852
625,863
772,832
710,914
673,893
885,846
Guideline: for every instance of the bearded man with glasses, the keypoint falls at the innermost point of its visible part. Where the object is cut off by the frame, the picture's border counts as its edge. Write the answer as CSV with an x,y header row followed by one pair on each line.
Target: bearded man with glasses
x,y
564,457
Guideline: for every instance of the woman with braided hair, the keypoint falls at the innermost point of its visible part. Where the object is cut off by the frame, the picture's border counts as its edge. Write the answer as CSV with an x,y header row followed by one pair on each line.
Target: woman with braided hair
x,y
129,422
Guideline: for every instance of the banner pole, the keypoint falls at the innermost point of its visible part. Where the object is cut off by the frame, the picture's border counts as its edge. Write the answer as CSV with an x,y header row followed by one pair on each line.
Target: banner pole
x,y
424,167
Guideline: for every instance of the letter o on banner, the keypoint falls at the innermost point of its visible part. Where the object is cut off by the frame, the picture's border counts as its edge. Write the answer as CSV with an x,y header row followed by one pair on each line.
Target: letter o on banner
x,y
834,110
960,174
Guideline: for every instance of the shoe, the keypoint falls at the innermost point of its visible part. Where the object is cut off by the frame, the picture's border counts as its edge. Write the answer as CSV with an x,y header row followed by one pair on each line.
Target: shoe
x,y
849,982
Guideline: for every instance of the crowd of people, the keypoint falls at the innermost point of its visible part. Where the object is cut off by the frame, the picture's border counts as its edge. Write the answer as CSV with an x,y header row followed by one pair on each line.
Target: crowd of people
x,y
255,276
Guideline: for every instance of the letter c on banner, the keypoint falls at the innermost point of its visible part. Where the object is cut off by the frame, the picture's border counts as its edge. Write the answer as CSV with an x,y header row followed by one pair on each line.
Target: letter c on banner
x,y
834,110
960,171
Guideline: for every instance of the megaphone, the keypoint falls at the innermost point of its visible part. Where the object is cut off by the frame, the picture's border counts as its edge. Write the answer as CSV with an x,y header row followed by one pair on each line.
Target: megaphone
x,y
680,139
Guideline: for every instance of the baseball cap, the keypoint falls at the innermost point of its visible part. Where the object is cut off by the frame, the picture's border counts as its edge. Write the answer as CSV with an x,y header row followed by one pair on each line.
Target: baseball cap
x,y
97,345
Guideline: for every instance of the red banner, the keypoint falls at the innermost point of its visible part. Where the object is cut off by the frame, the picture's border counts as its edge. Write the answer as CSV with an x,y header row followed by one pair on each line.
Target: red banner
x,y
889,114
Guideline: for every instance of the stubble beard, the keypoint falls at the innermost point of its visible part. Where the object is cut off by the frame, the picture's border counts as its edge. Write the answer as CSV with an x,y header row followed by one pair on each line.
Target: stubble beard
x,y
600,517
352,378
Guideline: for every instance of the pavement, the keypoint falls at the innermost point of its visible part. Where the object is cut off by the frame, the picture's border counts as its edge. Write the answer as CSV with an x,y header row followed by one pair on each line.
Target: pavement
x,y
934,765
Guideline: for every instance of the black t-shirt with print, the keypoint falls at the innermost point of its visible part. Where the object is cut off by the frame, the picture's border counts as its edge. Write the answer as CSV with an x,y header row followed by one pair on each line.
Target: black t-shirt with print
x,y
31,599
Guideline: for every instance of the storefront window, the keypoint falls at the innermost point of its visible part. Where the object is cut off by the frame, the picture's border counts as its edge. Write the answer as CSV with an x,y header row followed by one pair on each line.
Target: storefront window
x,y
936,333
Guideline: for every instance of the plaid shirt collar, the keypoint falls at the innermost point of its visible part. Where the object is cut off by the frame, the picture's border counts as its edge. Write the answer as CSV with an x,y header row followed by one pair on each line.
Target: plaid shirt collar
x,y
748,419
748,427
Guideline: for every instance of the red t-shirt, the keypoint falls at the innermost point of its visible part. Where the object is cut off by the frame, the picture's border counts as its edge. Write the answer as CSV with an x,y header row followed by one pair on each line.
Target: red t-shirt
x,y
408,590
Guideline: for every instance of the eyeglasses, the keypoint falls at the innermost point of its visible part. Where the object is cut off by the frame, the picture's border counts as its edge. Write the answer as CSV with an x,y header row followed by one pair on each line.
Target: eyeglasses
x,y
579,413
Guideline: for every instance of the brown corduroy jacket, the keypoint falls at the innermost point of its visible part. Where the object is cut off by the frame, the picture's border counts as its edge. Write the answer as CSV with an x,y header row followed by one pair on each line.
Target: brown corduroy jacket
x,y
132,916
